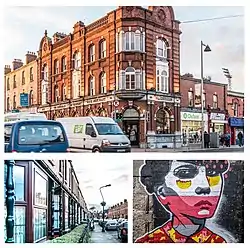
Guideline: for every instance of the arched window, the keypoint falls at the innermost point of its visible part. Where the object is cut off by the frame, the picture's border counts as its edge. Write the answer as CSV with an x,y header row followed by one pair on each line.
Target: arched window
x,y
92,53
31,74
44,92
63,64
102,49
56,93
8,84
45,73
103,83
8,104
215,101
23,77
162,48
130,78
76,60
63,92
162,80
190,98
162,121
56,66
91,86
31,97
14,102
235,108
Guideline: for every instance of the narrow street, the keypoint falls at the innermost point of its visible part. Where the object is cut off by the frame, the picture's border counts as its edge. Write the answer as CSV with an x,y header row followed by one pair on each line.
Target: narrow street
x,y
97,236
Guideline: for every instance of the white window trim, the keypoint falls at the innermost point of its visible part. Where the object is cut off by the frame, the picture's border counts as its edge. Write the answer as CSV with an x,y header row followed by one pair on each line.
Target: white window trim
x,y
92,53
165,49
45,73
162,66
44,92
103,49
103,83
137,37
92,86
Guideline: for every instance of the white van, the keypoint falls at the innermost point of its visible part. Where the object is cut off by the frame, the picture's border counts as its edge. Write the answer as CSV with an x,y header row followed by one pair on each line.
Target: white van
x,y
99,134
24,116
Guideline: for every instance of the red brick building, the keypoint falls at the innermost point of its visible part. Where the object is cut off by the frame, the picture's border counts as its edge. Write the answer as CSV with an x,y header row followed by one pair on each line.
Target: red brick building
x,y
215,105
235,103
127,62
119,210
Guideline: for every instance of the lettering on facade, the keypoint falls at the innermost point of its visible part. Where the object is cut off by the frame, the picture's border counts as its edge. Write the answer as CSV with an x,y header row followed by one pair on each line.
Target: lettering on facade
x,y
187,201
98,100
164,99
217,116
189,116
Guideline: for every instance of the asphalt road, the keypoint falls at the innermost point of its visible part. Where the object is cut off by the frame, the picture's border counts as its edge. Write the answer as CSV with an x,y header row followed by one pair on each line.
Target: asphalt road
x,y
97,236
165,150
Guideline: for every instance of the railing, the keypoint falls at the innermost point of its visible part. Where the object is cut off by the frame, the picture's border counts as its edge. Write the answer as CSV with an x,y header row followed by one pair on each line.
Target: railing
x,y
155,141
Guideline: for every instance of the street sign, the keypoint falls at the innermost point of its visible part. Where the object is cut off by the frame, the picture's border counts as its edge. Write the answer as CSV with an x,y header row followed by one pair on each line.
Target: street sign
x,y
24,99
116,103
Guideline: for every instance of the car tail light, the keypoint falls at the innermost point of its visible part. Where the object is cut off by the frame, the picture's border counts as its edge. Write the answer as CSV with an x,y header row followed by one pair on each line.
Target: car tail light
x,y
124,232
13,151
68,150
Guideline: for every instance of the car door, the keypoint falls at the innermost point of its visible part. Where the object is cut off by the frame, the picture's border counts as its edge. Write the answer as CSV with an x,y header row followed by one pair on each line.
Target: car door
x,y
89,141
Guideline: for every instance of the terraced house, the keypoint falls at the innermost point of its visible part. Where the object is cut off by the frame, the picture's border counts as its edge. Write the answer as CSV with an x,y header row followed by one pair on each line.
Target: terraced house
x,y
43,200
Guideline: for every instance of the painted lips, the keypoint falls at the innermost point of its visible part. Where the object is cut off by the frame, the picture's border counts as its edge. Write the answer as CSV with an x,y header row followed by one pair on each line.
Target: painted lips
x,y
203,204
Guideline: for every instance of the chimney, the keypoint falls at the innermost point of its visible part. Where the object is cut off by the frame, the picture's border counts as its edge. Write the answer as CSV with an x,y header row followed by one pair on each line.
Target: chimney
x,y
7,69
30,56
17,63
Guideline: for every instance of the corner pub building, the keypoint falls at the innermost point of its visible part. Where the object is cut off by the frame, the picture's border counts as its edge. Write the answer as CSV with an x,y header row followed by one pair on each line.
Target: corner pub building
x,y
125,64
42,198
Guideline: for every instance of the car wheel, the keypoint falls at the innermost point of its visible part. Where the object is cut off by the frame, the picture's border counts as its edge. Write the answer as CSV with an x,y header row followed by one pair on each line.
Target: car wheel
x,y
95,150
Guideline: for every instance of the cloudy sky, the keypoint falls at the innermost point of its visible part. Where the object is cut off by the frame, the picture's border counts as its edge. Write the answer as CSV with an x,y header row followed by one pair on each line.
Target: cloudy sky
x,y
92,175
225,37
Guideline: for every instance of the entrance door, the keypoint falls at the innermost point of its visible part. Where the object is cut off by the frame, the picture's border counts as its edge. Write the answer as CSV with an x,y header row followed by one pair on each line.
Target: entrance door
x,y
131,126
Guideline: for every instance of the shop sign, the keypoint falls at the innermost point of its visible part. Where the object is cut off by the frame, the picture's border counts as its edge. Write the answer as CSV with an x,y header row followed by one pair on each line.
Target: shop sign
x,y
189,116
236,122
217,116
164,99
99,100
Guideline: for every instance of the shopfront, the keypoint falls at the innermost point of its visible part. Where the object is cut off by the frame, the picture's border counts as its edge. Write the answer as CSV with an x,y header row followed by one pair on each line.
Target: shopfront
x,y
236,125
191,123
217,122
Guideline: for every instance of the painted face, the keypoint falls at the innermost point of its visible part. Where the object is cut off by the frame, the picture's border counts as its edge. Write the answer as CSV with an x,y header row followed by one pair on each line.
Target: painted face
x,y
191,190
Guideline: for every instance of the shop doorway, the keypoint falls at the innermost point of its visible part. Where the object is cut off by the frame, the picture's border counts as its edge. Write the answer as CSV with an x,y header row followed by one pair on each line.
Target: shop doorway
x,y
131,127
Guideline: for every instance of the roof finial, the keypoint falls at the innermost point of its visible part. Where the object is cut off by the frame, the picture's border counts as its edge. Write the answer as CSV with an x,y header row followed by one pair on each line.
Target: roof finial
x,y
45,33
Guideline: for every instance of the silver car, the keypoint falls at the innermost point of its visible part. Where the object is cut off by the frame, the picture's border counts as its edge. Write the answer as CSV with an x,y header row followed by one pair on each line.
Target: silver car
x,y
111,225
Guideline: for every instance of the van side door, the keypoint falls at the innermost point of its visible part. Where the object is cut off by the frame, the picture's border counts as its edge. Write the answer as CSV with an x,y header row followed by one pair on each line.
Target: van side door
x,y
90,136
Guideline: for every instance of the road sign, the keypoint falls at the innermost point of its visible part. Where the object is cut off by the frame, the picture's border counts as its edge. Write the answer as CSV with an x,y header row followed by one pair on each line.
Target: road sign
x,y
116,103
24,99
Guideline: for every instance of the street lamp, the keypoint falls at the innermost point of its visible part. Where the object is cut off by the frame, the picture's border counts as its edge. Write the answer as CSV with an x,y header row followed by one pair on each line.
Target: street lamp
x,y
207,49
103,203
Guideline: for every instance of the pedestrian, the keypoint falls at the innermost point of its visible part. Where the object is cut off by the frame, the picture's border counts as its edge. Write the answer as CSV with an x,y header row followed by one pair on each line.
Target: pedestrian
x,y
184,136
228,139
240,138
222,140
206,140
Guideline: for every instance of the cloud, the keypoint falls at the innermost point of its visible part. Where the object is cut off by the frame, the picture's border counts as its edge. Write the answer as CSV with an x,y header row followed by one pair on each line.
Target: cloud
x,y
121,179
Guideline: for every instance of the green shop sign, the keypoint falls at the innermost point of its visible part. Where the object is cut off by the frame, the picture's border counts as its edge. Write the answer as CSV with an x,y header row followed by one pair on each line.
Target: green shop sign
x,y
191,116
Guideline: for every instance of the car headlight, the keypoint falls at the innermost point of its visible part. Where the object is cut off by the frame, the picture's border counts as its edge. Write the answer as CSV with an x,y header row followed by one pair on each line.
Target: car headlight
x,y
105,142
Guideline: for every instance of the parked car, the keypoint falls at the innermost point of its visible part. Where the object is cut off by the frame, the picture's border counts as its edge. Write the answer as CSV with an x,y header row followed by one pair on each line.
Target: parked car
x,y
111,225
120,220
122,231
97,134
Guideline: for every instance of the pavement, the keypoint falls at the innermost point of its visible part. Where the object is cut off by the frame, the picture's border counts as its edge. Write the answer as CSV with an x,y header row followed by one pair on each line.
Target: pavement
x,y
233,148
97,236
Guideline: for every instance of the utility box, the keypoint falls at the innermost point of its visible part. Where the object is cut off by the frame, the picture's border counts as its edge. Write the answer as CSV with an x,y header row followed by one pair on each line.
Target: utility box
x,y
214,140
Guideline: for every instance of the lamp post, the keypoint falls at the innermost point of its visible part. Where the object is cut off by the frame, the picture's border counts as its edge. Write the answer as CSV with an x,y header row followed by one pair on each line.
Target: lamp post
x,y
207,49
228,75
103,203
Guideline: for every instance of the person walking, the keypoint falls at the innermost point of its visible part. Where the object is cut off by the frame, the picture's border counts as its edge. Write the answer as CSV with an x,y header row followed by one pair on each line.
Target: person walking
x,y
228,139
240,138
206,140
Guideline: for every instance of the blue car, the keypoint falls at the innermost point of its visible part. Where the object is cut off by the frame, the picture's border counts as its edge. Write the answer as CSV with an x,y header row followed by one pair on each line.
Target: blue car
x,y
35,136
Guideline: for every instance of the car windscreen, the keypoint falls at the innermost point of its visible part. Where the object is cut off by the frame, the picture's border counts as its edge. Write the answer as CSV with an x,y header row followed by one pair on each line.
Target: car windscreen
x,y
39,134
7,133
108,129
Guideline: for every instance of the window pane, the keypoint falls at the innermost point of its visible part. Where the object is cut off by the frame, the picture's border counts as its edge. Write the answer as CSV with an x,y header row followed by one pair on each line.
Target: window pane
x,y
18,174
66,212
40,190
19,224
40,217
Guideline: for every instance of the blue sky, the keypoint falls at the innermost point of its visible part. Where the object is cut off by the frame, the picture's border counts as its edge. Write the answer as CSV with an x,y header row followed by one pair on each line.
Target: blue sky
x,y
25,26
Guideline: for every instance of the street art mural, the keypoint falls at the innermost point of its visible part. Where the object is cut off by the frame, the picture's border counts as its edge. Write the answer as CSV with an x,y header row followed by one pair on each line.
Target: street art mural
x,y
188,201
